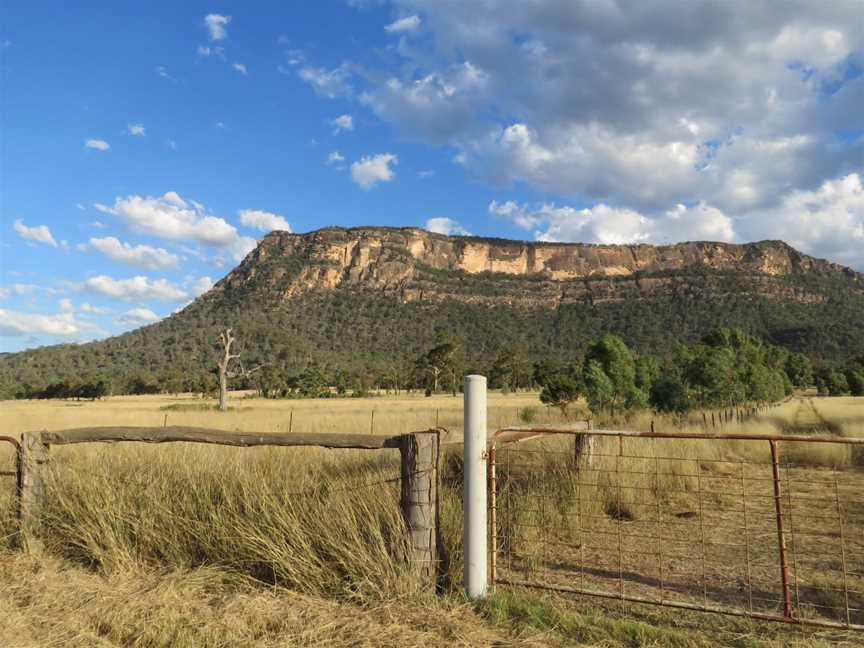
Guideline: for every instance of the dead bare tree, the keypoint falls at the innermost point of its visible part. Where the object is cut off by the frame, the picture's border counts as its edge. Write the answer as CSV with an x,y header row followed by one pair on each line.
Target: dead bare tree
x,y
226,340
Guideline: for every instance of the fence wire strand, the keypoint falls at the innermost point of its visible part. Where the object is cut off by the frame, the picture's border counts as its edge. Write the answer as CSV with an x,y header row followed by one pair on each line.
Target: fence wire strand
x,y
635,522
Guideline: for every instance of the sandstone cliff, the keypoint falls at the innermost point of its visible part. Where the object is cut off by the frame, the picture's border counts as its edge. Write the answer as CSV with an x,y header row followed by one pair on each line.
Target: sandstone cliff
x,y
415,265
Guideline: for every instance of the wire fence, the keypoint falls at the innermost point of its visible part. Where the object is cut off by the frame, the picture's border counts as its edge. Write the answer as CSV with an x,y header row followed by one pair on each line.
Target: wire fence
x,y
764,527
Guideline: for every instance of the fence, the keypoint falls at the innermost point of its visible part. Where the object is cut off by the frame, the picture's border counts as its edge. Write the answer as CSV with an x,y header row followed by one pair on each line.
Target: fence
x,y
757,526
419,456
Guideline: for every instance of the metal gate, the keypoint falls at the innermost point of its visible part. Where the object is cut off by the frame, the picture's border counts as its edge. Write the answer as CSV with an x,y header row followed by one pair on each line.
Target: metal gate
x,y
768,527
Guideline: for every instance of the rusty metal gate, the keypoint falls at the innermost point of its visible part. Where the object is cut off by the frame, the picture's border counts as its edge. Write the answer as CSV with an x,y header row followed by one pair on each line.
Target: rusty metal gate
x,y
768,527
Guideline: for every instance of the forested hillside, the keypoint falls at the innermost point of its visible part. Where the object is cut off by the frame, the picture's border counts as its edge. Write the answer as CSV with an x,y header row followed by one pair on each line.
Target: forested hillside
x,y
366,314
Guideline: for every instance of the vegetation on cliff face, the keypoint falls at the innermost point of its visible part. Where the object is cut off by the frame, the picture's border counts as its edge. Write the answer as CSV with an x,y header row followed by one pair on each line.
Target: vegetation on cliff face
x,y
364,318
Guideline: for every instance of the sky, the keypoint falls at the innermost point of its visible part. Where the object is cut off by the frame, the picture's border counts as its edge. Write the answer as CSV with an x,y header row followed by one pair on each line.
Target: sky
x,y
146,147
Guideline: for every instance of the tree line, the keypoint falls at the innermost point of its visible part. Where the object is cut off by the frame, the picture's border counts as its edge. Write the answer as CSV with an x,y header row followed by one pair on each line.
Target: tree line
x,y
726,368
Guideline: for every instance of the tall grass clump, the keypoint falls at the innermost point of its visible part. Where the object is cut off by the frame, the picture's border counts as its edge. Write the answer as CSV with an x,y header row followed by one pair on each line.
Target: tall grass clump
x,y
313,521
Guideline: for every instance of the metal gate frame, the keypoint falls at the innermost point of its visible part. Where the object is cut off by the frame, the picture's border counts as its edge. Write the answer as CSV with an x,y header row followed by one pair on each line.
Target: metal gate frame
x,y
513,435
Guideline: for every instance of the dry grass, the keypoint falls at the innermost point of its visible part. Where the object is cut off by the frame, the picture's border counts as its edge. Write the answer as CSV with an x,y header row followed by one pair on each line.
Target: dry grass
x,y
193,538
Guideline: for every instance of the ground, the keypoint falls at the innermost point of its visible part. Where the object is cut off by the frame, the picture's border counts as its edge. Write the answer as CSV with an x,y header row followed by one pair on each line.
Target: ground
x,y
140,555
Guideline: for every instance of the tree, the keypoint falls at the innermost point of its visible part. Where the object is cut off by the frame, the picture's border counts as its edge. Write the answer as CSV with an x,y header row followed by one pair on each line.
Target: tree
x,y
612,379
311,383
669,394
444,359
855,380
226,341
799,369
559,391
599,388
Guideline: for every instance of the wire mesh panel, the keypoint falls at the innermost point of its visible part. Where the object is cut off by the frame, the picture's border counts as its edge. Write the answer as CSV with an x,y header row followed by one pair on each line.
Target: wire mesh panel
x,y
747,527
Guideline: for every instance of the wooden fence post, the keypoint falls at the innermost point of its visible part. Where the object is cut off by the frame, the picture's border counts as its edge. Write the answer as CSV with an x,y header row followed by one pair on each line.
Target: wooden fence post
x,y
419,501
33,455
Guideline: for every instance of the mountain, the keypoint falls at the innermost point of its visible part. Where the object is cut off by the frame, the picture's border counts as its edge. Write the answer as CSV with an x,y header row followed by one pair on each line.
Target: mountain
x,y
374,297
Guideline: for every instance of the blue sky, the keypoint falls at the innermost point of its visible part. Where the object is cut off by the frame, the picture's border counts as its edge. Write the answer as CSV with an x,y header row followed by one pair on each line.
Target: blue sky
x,y
145,147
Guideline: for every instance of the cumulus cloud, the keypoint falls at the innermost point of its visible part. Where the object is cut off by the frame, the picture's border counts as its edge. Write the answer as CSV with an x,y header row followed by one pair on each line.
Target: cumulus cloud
x,y
440,106
611,225
172,218
729,104
137,129
215,24
342,123
137,316
239,67
138,288
64,324
200,286
826,222
95,310
327,83
38,234
448,226
242,246
97,144
140,256
372,169
263,221
406,24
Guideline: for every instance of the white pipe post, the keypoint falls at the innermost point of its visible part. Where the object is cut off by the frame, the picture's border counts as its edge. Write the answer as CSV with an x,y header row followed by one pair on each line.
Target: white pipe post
x,y
474,492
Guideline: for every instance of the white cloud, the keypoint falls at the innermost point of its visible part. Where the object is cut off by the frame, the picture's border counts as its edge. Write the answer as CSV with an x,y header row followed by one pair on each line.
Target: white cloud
x,y
439,106
140,256
826,222
262,220
729,104
406,24
342,123
17,289
39,234
15,323
97,144
138,288
243,246
428,173
215,24
239,67
170,217
335,157
446,226
370,170
96,310
137,129
327,83
138,316
618,226
200,286
66,306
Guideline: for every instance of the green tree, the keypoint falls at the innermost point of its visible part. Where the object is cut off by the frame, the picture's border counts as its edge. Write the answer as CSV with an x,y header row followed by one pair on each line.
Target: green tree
x,y
855,381
799,369
669,394
599,388
560,391
614,361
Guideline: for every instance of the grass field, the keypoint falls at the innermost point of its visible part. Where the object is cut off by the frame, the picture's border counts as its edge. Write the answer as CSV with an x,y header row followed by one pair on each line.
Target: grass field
x,y
186,545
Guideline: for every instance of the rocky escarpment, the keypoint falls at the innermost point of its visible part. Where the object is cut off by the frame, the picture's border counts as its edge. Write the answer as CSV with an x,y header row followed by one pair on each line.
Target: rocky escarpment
x,y
415,265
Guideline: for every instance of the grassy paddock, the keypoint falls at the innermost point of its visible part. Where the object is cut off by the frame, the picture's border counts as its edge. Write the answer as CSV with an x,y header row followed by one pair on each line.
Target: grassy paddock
x,y
321,522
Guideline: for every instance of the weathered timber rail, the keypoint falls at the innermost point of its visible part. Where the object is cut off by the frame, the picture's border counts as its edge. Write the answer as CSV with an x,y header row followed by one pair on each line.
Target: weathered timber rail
x,y
419,457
